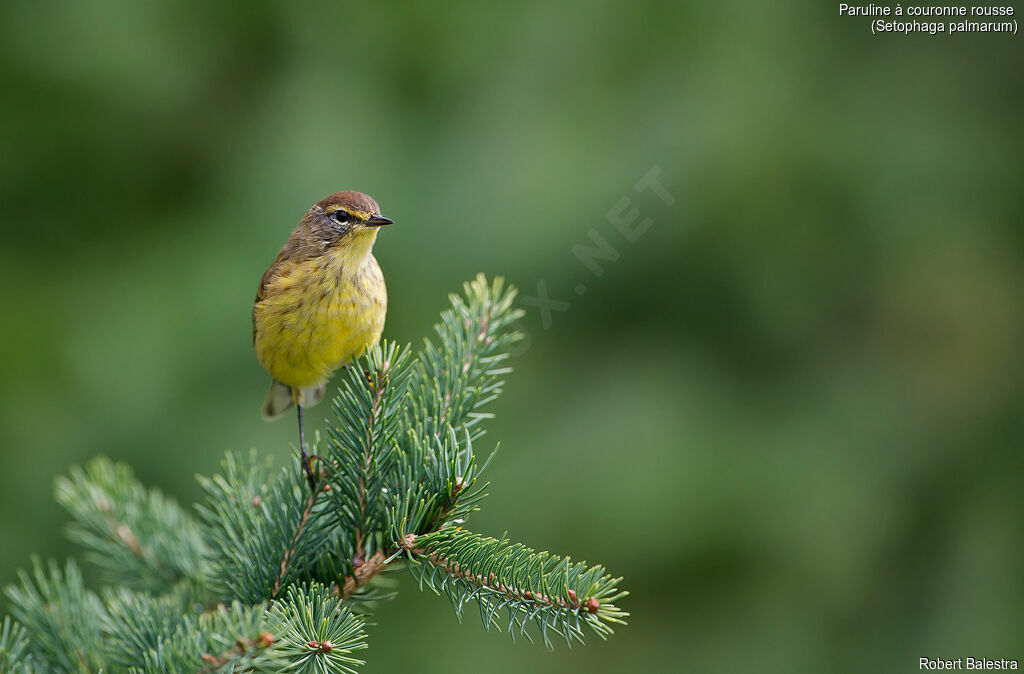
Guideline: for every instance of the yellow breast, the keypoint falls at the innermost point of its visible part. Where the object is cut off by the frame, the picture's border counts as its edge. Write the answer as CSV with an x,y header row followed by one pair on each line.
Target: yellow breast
x,y
317,315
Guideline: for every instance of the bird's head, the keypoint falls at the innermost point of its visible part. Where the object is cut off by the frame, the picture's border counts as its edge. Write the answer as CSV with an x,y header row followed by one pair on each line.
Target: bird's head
x,y
346,216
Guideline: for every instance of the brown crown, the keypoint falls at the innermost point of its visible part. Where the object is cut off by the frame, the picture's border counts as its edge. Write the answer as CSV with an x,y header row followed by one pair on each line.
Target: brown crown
x,y
350,201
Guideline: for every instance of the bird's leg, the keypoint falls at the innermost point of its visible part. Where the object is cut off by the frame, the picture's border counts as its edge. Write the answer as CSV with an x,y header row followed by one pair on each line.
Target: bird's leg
x,y
307,466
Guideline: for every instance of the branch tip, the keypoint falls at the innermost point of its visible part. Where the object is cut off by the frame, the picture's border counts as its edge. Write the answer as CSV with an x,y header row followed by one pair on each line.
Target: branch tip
x,y
325,646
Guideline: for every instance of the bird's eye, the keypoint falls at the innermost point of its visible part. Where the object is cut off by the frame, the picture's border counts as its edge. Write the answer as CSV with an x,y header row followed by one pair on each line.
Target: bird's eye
x,y
341,216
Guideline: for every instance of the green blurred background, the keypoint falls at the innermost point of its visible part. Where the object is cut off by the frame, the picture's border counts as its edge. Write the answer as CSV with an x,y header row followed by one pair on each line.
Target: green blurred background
x,y
789,413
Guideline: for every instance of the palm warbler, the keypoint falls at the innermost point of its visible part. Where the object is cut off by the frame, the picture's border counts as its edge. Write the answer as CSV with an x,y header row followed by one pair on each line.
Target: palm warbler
x,y
320,304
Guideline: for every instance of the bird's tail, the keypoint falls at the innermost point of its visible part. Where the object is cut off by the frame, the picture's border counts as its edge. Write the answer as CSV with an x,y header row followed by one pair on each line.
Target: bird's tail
x,y
281,397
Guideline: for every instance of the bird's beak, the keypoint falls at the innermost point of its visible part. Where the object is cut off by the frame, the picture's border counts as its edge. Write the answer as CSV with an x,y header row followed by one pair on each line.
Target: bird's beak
x,y
378,220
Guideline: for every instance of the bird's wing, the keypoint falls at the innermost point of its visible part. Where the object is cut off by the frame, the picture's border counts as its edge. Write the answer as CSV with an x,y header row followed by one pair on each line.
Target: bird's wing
x,y
292,252
261,291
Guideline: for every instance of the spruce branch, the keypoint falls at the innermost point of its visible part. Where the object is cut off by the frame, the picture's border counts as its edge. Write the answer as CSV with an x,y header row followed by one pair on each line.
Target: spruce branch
x,y
138,537
293,546
134,623
264,527
363,574
318,631
550,591
15,657
451,383
362,446
454,379
297,571
233,638
60,616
